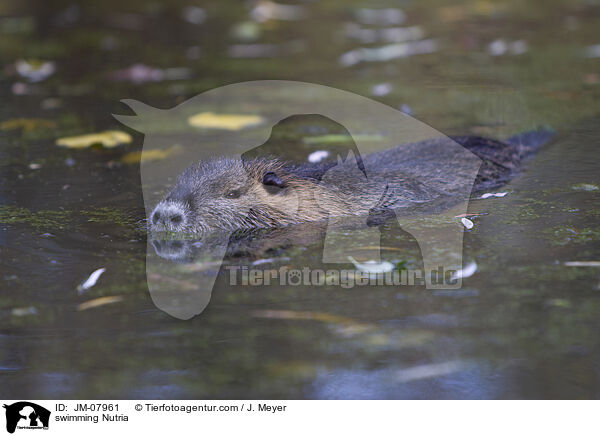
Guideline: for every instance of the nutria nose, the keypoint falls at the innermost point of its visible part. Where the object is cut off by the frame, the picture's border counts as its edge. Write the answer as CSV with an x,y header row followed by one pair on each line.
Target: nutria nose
x,y
167,216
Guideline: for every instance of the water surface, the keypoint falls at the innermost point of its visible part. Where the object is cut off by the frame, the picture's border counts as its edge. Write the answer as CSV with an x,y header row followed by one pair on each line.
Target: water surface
x,y
525,325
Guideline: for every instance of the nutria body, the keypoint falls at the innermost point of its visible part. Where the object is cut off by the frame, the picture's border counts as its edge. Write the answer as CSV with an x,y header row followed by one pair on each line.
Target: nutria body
x,y
233,194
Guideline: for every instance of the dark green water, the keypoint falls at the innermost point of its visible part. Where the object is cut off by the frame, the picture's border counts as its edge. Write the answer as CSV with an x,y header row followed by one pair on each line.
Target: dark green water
x,y
525,325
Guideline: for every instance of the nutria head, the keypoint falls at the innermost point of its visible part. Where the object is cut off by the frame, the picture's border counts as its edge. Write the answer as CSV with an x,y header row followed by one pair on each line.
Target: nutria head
x,y
228,194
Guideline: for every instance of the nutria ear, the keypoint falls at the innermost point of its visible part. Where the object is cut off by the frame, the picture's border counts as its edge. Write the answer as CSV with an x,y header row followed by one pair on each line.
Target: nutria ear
x,y
272,179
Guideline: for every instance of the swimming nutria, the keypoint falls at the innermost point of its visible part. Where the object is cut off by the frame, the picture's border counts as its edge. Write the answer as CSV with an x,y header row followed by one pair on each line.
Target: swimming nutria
x,y
232,194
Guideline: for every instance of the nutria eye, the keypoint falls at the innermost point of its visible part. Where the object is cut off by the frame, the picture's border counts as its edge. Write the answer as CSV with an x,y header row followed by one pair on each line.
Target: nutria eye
x,y
234,194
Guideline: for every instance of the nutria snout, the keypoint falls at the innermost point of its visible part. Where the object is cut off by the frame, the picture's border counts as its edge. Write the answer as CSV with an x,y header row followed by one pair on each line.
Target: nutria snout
x,y
169,215
232,194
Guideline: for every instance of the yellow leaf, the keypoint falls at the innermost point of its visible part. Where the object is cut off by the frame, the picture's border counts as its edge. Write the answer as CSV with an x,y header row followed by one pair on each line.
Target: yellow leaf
x,y
209,120
150,155
108,139
27,124
99,302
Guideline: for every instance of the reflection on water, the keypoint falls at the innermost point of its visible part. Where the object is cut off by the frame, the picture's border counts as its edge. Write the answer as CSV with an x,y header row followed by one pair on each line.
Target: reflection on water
x,y
524,325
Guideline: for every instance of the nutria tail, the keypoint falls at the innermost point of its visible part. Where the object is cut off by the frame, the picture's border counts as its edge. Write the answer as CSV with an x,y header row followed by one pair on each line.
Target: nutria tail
x,y
502,160
531,141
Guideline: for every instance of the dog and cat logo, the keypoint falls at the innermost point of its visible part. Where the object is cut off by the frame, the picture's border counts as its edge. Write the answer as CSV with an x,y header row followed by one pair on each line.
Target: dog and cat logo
x,y
26,415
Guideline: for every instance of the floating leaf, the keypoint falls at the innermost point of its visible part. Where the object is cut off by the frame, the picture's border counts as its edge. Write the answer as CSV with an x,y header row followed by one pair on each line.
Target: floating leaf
x,y
467,271
381,89
210,120
317,156
27,124
467,223
97,302
270,260
33,70
150,155
498,194
388,52
585,187
91,281
583,263
24,311
108,139
372,267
